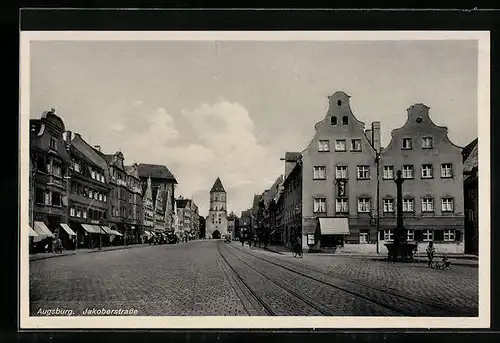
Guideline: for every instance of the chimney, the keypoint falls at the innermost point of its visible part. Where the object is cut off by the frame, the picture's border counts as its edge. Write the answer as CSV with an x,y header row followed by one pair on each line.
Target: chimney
x,y
97,147
376,135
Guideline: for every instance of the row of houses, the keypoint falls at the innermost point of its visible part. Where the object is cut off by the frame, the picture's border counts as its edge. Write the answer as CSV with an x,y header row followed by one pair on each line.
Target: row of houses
x,y
89,198
339,192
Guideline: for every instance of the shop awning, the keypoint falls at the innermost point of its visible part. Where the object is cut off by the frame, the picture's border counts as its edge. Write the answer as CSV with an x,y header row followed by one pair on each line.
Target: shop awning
x,y
91,228
32,233
42,230
116,233
334,226
107,230
68,229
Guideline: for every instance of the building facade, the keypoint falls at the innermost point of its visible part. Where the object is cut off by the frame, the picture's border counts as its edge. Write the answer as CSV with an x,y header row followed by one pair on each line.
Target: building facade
x,y
216,225
289,205
203,227
119,198
89,193
339,179
433,198
245,224
148,213
136,213
50,159
163,194
471,197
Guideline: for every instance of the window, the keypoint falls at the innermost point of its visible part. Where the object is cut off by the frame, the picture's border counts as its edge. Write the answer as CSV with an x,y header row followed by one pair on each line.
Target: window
x,y
339,102
428,235
84,213
53,143
427,171
388,172
388,235
449,235
427,142
406,143
100,197
319,205
408,171
340,145
364,205
355,144
363,172
388,205
39,196
47,198
345,120
410,235
341,172
56,170
427,205
319,173
408,205
333,120
323,145
447,205
72,211
40,164
363,237
446,170
102,178
341,205
91,194
78,213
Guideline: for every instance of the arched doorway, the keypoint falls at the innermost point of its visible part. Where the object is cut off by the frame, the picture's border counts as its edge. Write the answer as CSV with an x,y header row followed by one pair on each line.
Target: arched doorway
x,y
216,234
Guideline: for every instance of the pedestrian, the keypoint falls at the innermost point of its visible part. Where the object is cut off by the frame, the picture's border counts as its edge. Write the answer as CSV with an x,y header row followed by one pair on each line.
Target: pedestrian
x,y
430,253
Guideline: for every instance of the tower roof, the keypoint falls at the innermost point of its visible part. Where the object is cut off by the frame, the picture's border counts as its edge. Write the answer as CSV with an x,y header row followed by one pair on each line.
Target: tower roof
x,y
217,187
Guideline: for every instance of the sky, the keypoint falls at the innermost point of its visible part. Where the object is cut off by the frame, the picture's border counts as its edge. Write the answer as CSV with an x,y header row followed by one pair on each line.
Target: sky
x,y
231,109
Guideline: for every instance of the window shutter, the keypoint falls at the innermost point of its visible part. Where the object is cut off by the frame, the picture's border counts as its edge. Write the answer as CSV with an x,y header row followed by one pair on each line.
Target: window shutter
x,y
458,235
438,235
418,235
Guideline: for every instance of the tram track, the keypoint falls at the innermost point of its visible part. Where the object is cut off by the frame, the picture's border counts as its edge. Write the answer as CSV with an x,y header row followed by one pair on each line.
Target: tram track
x,y
379,296
334,303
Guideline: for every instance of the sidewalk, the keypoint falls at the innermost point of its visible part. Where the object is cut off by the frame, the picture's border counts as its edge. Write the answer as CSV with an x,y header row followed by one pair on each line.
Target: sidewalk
x,y
455,259
42,256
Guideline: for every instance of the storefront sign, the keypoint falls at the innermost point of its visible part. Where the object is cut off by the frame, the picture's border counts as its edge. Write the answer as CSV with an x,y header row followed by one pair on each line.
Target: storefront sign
x,y
310,239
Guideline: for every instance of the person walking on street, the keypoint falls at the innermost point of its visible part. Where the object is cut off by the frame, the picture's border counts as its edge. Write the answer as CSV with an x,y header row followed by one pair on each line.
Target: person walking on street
x,y
430,253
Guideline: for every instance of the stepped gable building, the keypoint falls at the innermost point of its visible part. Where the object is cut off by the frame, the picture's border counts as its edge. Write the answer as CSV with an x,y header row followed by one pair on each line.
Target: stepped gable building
x,y
471,197
339,179
163,193
433,191
216,223
50,160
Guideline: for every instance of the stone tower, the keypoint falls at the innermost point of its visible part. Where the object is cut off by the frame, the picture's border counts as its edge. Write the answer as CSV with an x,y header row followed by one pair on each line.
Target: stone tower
x,y
216,225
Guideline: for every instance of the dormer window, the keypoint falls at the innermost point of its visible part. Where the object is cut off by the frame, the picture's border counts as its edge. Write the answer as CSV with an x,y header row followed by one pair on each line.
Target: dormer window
x,y
53,143
345,120
333,120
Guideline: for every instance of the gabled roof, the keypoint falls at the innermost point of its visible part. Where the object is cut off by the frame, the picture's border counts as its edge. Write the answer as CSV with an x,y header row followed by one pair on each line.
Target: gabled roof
x,y
217,187
155,171
88,151
182,203
468,149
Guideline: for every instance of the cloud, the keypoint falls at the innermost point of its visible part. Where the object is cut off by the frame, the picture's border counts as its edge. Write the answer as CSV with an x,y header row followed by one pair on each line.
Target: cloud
x,y
228,149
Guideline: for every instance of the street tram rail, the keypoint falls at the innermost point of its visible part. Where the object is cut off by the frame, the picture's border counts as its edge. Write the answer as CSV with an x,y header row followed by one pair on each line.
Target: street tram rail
x,y
446,311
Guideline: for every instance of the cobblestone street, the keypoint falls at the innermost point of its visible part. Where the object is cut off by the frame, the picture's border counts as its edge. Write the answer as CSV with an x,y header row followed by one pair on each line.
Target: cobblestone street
x,y
214,278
